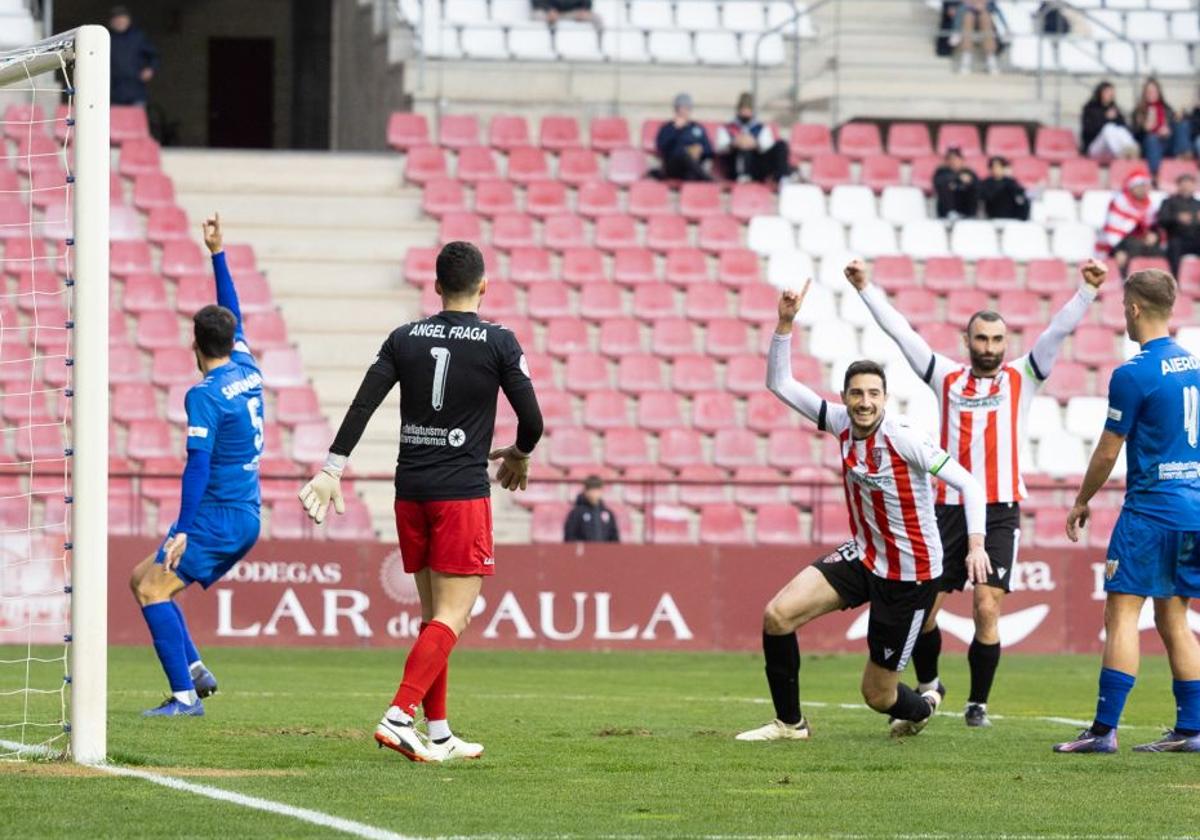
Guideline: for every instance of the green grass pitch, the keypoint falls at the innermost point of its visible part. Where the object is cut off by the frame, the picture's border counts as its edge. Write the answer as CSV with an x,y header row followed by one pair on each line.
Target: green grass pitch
x,y
619,745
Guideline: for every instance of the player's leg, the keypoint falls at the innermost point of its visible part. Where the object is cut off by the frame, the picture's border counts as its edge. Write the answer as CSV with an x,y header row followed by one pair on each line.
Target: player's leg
x,y
202,678
952,528
983,657
898,612
927,652
153,588
1183,652
434,703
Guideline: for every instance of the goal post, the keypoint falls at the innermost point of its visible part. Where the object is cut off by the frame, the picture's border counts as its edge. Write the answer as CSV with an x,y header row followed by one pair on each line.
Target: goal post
x,y
81,256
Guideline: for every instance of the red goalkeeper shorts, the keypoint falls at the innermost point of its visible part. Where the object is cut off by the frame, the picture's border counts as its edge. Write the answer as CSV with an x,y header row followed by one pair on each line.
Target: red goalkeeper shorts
x,y
453,537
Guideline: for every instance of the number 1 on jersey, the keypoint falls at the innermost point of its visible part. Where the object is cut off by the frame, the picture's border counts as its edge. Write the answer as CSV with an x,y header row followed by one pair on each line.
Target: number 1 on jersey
x,y
1191,414
441,361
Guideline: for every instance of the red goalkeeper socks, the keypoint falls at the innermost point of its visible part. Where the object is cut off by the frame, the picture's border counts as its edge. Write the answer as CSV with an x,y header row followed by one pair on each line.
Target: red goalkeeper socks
x,y
426,661
434,702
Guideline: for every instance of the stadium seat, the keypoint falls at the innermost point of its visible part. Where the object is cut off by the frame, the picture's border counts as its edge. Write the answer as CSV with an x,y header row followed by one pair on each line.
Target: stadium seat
x,y
594,199
908,140
634,266
850,203
737,267
457,131
615,232
996,275
1170,170
157,329
556,133
924,238
1069,379
765,412
778,524
673,337
153,189
493,197
822,237
639,373
722,524
162,225
508,132
130,401
718,233
1032,173
685,266
566,336
699,200
151,439
962,305
727,337
608,133
1073,242
513,230
529,265
704,302
460,226
564,231
145,293
1055,144
586,372
281,368
648,198
758,303
137,156
880,172
859,140
771,234
831,523
714,410
1049,529
626,165
870,238
124,364
443,195
1054,206
666,232
1092,344
546,525
894,273
963,137
679,448
1079,175
545,198
919,306
404,131
183,258
1024,241
749,200
668,525
1009,141
527,165
800,202
619,336
1047,276
570,447
424,163
808,141
476,163
297,405
582,267
575,166
652,301
660,410
829,170
626,447
693,373
921,173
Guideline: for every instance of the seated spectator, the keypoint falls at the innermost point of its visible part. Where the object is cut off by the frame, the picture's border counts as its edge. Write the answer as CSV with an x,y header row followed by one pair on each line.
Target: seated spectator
x,y
977,21
1157,127
552,10
1179,218
747,149
1130,213
683,144
590,520
1103,133
956,187
1194,121
1145,244
1003,196
1053,18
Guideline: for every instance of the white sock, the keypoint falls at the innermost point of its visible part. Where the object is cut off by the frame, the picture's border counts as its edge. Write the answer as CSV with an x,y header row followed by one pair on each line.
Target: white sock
x,y
439,730
196,666
396,715
189,698
927,686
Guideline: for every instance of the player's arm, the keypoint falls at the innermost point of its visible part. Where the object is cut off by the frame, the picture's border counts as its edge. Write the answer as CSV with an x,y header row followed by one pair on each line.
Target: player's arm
x,y
202,424
979,566
513,473
924,362
780,381
1045,350
226,292
1124,400
326,486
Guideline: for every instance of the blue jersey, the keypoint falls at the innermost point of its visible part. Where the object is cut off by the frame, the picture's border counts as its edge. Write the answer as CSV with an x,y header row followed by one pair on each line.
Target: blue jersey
x,y
225,418
1154,402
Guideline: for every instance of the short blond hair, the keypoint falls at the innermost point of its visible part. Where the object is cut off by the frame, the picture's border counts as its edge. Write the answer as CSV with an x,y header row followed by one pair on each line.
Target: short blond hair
x,y
1154,289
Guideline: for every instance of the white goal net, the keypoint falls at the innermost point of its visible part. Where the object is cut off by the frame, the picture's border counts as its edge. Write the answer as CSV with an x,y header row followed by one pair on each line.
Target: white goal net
x,y
54,187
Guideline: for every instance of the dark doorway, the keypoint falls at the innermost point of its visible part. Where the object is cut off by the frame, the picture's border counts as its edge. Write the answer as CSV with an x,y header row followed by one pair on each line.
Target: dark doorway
x,y
241,81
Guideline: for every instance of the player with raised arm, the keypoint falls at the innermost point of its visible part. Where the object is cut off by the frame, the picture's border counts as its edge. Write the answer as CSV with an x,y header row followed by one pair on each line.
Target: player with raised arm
x,y
983,406
219,501
450,368
1154,411
893,560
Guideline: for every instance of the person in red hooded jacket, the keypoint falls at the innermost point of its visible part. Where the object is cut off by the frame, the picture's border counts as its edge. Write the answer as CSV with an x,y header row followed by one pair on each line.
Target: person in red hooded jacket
x,y
1130,219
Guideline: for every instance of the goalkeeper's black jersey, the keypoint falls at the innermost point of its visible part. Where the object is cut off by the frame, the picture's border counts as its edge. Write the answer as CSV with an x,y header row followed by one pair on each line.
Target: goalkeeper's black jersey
x,y
450,368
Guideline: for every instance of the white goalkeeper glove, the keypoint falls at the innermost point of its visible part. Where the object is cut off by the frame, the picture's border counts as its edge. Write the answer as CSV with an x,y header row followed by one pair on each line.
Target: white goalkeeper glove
x,y
325,487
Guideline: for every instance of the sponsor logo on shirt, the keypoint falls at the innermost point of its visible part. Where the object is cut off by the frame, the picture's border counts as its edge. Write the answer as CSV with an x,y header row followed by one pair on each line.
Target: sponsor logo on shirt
x,y
1174,470
197,432
983,403
415,435
456,438
875,482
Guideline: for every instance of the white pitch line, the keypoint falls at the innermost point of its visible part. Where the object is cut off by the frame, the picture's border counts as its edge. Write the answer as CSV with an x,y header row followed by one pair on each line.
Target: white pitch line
x,y
317,818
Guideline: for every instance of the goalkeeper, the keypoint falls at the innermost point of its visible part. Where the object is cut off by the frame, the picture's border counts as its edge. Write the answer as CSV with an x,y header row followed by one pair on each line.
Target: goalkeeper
x,y
219,501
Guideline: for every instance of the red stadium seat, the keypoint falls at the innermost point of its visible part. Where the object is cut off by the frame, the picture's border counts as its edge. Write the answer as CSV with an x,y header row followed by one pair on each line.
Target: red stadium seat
x,y
703,485
1010,141
566,336
557,133
570,447
668,525
660,410
634,266
722,524
650,134
673,337
945,275
288,521
124,258
626,165
564,231
765,412
157,330
693,373
354,524
508,132
1070,379
457,131
1055,144
713,410
1047,277
310,442
685,266
182,258
648,198
528,266
918,305
1120,169
167,223
830,170
1092,344
1031,172
460,226
626,448
586,372
961,305
493,197
476,163
1078,175
424,163
576,166
1189,272
599,301
297,405
735,449
963,137
1170,170
557,408
281,368
639,373
749,200
1148,263
738,267
153,189
527,165
666,232
778,524
22,119
859,140
160,478
145,293
605,410
909,140
124,363
757,486
548,300
254,293
443,195
1022,308
996,275
894,273
139,156
652,301
608,133
1100,525
546,525
266,330
546,198
614,232
699,200
597,198
404,131
582,266
133,401
808,141
880,171
501,301
944,338
679,448
921,174
831,523
745,375
706,302
719,233
150,439
727,337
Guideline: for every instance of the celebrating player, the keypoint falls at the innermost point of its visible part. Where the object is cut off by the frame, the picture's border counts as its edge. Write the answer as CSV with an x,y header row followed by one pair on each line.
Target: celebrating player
x,y
983,409
1154,410
219,503
895,557
449,367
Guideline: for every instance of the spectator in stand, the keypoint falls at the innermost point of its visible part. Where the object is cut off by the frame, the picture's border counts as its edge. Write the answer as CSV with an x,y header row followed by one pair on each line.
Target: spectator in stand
x,y
1161,133
591,520
683,144
956,187
552,10
1102,131
133,60
1194,121
747,149
1003,196
1146,244
1179,218
976,16
1130,217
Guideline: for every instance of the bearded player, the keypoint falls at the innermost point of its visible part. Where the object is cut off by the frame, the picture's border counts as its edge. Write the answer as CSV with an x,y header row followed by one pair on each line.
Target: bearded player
x,y
450,368
893,561
983,406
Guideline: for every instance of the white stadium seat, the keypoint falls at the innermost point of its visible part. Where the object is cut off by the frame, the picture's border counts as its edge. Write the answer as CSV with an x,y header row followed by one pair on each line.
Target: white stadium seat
x,y
1106,25
410,10
532,43
612,13
651,14
1189,339
698,15
1023,241
1119,56
1054,206
770,234
1073,243
819,307
1023,55
780,11
1045,418
718,48
577,41
464,12
1170,59
801,202
1185,26
511,11
901,204
1093,207
787,268
902,382
1078,56
743,17
1086,416
483,42
832,274
1147,26
851,202
437,40
922,411
870,238
852,310
1061,454
922,238
674,47
822,236
880,347
1173,5
625,45
770,50
973,239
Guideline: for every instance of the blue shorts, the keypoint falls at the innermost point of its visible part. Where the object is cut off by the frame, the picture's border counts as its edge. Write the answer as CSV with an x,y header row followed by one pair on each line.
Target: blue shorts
x,y
1149,559
218,538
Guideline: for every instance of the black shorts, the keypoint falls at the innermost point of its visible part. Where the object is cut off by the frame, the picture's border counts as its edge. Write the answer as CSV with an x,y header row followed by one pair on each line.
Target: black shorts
x,y
1001,543
898,607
